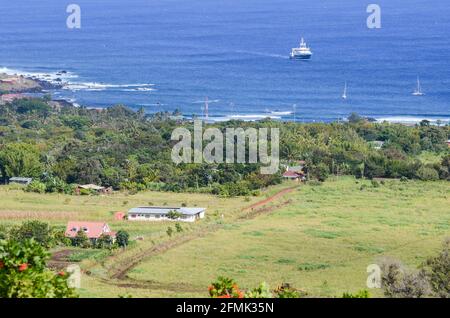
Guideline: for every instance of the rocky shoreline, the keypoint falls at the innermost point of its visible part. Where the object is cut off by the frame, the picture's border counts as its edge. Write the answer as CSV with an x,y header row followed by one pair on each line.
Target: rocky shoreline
x,y
25,84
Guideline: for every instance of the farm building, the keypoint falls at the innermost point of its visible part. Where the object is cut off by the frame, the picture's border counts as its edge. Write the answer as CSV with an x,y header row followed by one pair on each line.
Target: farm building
x,y
20,180
93,230
94,188
154,213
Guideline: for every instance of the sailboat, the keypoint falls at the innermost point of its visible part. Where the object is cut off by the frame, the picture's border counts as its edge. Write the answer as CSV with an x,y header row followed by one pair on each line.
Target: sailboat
x,y
344,96
418,91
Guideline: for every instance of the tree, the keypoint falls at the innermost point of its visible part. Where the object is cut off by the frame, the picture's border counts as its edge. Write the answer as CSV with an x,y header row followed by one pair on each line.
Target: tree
x,y
122,238
41,232
354,118
174,215
81,239
104,241
320,171
20,160
23,273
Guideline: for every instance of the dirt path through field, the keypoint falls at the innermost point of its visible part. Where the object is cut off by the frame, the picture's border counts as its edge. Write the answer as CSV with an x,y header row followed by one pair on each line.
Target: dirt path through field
x,y
120,272
270,199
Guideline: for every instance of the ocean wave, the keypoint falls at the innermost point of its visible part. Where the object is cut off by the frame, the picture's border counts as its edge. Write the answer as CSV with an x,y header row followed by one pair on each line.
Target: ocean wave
x,y
282,113
210,101
56,77
94,86
412,119
244,117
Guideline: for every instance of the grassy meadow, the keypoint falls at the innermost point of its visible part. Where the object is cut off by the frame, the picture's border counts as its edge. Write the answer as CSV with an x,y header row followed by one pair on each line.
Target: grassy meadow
x,y
322,242
319,238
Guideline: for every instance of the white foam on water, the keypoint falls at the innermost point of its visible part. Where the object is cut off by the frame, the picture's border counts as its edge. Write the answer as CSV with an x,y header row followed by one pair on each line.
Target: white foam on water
x,y
210,101
94,86
281,113
51,77
245,117
411,119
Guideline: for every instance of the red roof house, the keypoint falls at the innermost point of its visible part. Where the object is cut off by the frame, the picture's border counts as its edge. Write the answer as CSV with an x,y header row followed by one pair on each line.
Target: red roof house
x,y
293,175
93,230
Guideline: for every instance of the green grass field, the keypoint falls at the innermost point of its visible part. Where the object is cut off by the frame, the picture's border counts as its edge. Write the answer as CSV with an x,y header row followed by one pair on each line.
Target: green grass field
x,y
322,242
318,238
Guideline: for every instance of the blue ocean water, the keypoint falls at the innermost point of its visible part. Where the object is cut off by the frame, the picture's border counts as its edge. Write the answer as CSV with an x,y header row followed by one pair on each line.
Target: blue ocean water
x,y
169,54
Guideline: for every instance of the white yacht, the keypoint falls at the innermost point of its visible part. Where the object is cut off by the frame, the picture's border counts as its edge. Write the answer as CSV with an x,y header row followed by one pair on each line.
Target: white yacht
x,y
301,53
344,96
418,91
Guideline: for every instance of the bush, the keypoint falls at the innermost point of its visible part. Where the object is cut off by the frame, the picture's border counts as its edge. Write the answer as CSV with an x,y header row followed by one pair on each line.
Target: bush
x,y
375,184
36,186
41,232
398,282
104,241
122,238
320,171
361,294
437,270
262,291
427,174
23,273
178,227
286,291
225,288
81,240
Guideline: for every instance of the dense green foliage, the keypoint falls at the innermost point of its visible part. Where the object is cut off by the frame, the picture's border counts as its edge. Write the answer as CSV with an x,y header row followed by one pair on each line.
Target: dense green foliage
x,y
124,149
23,272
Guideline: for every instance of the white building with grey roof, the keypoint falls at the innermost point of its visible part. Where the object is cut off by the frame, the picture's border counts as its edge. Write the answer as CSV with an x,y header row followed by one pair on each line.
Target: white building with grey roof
x,y
155,213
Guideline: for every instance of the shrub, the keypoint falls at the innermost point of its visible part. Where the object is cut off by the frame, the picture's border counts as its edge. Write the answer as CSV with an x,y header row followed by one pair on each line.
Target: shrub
x,y
437,271
122,238
41,232
23,273
169,231
398,282
320,171
262,291
375,184
427,174
36,186
104,241
178,227
81,240
225,287
361,294
286,291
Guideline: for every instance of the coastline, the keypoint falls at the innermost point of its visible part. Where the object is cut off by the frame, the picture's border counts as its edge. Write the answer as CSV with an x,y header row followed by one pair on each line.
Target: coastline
x,y
54,82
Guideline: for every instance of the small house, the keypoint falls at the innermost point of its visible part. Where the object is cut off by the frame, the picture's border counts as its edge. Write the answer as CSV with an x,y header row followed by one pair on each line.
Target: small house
x,y
20,180
93,230
294,176
154,213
